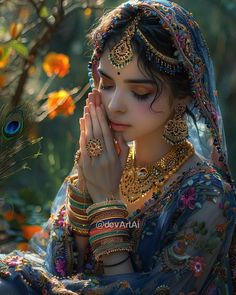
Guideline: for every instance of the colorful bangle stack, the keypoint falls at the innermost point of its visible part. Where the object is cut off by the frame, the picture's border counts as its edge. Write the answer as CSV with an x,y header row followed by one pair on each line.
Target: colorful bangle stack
x,y
108,229
77,203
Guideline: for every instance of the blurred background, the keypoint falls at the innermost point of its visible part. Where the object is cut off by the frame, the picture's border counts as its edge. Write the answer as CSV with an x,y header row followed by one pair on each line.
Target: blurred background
x,y
43,47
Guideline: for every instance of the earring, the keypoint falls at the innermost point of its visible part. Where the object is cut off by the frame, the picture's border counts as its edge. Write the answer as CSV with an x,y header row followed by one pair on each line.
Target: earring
x,y
176,130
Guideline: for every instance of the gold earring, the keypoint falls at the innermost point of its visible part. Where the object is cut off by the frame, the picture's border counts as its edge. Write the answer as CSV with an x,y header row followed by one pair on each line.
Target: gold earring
x,y
176,130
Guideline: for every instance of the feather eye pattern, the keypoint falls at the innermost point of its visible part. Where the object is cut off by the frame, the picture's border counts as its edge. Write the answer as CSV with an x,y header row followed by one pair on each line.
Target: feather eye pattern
x,y
16,146
13,124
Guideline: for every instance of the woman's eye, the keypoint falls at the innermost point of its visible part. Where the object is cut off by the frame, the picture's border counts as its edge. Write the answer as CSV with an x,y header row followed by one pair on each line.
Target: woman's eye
x,y
141,96
105,87
136,95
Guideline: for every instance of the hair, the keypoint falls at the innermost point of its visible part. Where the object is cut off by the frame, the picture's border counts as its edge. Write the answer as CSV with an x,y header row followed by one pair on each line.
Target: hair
x,y
160,38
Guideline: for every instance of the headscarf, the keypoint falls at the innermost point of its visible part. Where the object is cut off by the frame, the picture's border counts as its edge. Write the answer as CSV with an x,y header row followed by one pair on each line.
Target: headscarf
x,y
206,131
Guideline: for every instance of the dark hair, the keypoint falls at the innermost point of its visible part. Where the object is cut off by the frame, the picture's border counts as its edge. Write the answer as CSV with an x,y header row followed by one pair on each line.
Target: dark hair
x,y
156,35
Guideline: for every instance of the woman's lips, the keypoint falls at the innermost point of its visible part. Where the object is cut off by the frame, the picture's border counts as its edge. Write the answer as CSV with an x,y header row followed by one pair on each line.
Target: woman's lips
x,y
118,127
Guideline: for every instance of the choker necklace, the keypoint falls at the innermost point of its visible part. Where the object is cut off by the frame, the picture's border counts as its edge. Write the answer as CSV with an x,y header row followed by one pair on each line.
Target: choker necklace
x,y
137,181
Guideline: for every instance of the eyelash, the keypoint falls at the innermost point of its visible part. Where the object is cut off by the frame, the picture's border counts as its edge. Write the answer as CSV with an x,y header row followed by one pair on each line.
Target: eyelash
x,y
138,96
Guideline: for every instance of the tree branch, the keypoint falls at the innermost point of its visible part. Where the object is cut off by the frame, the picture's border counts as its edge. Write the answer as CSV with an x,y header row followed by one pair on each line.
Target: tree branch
x,y
44,37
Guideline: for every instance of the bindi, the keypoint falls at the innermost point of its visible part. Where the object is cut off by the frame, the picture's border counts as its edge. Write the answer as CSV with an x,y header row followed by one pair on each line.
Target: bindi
x,y
118,73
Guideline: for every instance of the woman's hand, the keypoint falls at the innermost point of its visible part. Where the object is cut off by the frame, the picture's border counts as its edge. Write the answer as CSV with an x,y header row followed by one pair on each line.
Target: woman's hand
x,y
102,173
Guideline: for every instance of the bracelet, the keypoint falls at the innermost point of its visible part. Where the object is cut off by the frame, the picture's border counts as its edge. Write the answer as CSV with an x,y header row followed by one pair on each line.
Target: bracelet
x,y
110,265
75,190
105,204
98,256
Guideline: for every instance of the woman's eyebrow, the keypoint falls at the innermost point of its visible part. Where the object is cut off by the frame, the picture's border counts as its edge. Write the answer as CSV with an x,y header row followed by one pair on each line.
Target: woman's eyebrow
x,y
130,81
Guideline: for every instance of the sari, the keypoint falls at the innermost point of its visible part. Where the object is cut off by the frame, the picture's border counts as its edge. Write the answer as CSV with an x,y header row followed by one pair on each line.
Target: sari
x,y
182,236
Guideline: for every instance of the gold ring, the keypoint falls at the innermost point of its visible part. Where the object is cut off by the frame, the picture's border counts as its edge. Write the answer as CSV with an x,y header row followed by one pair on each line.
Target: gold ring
x,y
94,147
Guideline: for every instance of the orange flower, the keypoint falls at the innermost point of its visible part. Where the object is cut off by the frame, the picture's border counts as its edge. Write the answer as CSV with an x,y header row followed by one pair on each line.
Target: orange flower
x,y
3,80
15,30
56,64
4,57
30,230
60,102
22,246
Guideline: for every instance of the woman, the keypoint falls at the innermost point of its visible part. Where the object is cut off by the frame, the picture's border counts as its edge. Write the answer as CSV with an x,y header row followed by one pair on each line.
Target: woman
x,y
155,217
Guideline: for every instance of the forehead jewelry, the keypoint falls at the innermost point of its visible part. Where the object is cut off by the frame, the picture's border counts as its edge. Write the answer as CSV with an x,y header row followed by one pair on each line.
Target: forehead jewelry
x,y
122,54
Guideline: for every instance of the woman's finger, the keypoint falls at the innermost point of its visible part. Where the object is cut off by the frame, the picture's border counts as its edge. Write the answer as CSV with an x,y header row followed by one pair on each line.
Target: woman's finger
x,y
97,132
82,141
107,135
91,97
97,97
88,127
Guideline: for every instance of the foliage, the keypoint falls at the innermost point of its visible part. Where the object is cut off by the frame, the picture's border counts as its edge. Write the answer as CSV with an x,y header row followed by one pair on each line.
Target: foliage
x,y
32,68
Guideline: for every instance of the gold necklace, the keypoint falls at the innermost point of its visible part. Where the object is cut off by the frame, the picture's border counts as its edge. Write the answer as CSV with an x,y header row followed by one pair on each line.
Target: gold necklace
x,y
137,181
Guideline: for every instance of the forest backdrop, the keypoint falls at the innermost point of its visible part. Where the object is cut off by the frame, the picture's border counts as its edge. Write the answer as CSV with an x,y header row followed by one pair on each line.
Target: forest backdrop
x,y
26,196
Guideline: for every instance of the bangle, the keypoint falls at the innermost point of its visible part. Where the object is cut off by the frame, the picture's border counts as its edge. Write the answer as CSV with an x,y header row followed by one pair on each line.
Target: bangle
x,y
75,190
110,265
105,204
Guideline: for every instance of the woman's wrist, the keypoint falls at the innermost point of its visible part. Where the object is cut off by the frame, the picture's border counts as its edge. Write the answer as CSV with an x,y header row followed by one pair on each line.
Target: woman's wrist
x,y
76,205
117,263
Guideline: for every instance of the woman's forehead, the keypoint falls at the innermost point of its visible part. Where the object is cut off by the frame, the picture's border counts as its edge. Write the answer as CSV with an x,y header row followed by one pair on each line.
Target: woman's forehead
x,y
127,71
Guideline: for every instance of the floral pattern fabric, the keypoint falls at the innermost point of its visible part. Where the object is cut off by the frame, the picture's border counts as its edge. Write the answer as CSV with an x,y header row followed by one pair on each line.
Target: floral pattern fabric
x,y
180,247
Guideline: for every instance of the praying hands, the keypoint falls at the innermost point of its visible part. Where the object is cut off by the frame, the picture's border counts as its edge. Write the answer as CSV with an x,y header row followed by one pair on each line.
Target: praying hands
x,y
101,164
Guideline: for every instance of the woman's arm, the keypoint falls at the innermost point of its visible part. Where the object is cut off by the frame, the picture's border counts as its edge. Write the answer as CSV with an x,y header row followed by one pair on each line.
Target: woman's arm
x,y
81,241
66,249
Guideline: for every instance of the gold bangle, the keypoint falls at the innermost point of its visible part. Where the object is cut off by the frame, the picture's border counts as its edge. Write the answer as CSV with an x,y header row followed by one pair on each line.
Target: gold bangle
x,y
94,245
72,180
106,217
76,230
83,217
107,202
99,211
107,252
116,239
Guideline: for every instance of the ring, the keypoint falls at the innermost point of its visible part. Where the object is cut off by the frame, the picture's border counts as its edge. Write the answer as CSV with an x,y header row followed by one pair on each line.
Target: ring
x,y
94,147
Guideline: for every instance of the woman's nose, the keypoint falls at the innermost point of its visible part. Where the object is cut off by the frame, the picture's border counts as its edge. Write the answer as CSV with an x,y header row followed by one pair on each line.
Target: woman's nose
x,y
117,103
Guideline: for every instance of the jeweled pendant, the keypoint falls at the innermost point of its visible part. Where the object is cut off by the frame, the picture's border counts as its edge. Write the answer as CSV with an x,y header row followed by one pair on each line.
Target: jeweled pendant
x,y
142,173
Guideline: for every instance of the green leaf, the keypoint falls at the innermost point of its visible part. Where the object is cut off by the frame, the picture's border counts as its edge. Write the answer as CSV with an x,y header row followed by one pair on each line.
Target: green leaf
x,y
43,13
20,48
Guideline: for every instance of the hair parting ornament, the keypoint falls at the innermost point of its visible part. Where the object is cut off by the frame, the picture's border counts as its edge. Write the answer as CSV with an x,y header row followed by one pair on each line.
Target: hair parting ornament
x,y
122,53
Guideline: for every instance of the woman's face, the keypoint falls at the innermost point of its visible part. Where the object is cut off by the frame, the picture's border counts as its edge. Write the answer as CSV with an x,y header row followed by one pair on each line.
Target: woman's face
x,y
127,95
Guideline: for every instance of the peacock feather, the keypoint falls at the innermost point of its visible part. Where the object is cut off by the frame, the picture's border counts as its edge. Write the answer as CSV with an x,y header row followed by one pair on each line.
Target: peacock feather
x,y
17,145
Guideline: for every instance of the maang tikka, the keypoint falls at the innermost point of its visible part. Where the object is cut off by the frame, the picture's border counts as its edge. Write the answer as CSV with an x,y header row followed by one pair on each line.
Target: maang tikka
x,y
122,53
176,130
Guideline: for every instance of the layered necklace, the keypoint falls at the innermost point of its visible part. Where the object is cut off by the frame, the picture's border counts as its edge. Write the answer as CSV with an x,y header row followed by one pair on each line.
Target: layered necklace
x,y
136,182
